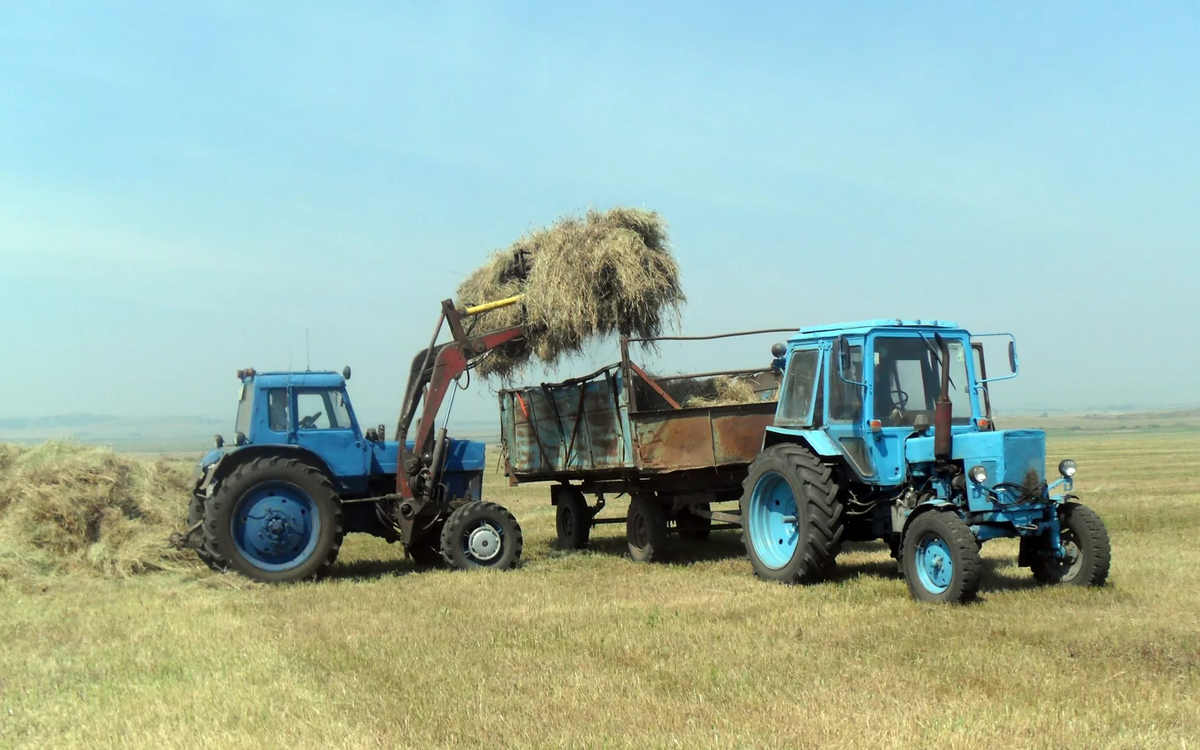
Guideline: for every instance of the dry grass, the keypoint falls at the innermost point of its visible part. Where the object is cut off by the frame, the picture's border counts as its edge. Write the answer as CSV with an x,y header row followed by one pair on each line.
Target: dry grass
x,y
608,272
67,508
588,649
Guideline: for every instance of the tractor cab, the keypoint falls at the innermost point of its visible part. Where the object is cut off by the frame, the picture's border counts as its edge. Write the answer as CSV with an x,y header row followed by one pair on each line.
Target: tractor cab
x,y
310,414
867,393
888,421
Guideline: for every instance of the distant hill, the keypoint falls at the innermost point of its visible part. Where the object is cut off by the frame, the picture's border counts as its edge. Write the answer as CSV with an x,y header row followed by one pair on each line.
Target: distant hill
x,y
167,434
124,433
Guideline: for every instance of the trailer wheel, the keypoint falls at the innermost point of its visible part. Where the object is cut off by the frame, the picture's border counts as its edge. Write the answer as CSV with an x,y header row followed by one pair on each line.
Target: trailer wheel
x,y
1089,551
646,529
275,520
691,526
940,558
791,517
206,555
572,519
482,535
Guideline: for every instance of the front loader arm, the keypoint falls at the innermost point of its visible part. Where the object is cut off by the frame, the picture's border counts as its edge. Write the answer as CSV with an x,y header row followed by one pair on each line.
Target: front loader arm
x,y
430,382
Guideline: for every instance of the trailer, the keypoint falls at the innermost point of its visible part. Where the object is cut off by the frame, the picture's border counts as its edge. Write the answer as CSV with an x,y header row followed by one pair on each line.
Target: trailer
x,y
659,439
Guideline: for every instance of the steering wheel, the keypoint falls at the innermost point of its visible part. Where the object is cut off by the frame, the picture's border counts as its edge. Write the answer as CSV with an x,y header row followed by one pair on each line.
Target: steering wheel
x,y
899,400
310,422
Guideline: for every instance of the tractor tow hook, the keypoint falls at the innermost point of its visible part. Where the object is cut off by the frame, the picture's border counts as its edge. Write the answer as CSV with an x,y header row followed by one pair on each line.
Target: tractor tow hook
x,y
184,540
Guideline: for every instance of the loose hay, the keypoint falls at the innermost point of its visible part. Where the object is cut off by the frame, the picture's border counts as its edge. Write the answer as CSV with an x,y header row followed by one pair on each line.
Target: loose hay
x,y
728,391
608,272
68,508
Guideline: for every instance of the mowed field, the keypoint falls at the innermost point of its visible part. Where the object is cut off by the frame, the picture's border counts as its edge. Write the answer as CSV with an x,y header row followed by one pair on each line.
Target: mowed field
x,y
588,649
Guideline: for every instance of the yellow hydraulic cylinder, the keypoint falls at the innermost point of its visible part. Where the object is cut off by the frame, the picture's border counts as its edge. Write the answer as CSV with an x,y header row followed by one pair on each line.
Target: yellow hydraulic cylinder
x,y
488,306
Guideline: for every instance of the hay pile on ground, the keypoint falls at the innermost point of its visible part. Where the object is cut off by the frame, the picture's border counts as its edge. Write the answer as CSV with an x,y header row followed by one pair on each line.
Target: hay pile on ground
x,y
69,508
727,391
608,272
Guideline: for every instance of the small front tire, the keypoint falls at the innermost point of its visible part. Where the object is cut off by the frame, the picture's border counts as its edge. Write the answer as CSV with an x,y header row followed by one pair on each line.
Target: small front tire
x,y
482,535
1089,552
940,558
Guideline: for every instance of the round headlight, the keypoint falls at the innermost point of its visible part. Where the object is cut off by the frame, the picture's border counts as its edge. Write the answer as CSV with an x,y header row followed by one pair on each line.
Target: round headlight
x,y
1067,468
978,474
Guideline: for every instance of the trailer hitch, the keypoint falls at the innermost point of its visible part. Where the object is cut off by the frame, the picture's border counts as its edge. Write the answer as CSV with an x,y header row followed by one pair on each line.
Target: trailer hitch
x,y
183,540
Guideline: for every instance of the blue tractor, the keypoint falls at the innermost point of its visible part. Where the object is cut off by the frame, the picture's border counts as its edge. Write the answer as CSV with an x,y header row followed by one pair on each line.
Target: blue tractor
x,y
884,431
301,473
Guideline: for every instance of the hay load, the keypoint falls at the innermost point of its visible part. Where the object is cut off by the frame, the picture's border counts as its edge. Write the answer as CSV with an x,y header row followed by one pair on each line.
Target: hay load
x,y
582,278
68,508
726,391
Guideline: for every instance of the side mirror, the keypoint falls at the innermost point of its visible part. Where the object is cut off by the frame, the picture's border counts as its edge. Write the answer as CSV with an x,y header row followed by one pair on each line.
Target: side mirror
x,y
778,350
1012,355
841,350
346,372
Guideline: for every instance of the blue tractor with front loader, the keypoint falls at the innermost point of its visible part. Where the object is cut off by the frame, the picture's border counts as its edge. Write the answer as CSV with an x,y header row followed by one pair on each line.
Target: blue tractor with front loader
x,y
301,473
884,430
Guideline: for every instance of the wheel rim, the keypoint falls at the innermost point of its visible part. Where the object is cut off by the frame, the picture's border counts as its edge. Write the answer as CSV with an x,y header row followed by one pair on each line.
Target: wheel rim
x,y
1068,568
774,533
641,531
483,542
276,526
935,566
568,521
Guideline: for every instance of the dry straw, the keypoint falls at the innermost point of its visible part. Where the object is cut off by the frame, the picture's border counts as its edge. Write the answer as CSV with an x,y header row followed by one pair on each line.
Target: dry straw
x,y
68,508
609,272
728,391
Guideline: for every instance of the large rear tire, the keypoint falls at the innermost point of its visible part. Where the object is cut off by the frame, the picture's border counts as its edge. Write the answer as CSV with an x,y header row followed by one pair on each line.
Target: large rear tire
x,y
206,555
646,529
940,558
275,520
791,518
481,535
1089,552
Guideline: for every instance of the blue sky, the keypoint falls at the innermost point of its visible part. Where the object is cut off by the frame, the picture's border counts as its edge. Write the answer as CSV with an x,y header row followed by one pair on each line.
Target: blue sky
x,y
186,187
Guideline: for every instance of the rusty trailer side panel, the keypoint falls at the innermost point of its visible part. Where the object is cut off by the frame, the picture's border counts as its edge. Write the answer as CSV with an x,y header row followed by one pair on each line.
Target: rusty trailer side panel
x,y
577,428
702,437
583,429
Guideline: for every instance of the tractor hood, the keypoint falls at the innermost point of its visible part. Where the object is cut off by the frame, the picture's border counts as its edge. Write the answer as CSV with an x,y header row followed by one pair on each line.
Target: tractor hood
x,y
1011,456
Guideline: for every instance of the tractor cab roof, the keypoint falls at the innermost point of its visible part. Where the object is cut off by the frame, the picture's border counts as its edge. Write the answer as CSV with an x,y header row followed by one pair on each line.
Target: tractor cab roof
x,y
861,327
297,379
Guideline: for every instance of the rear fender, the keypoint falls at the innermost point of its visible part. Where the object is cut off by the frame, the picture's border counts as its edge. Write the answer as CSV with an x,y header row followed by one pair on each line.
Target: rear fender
x,y
215,472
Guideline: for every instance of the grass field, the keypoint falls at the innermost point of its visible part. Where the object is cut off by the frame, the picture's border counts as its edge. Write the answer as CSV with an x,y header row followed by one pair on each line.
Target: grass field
x,y
590,649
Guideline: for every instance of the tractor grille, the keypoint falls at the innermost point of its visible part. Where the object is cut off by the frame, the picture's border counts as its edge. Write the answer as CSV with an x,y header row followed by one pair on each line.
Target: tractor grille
x,y
1025,457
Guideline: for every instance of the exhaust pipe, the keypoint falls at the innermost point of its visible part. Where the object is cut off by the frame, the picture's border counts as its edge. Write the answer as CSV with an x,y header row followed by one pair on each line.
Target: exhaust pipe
x,y
943,409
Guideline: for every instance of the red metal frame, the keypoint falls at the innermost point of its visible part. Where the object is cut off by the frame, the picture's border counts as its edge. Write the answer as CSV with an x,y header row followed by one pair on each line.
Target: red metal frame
x,y
432,384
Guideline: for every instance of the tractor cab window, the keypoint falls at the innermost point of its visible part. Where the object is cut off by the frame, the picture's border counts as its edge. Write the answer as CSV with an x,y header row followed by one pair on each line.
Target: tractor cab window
x,y
908,377
277,410
845,399
323,409
245,409
800,383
